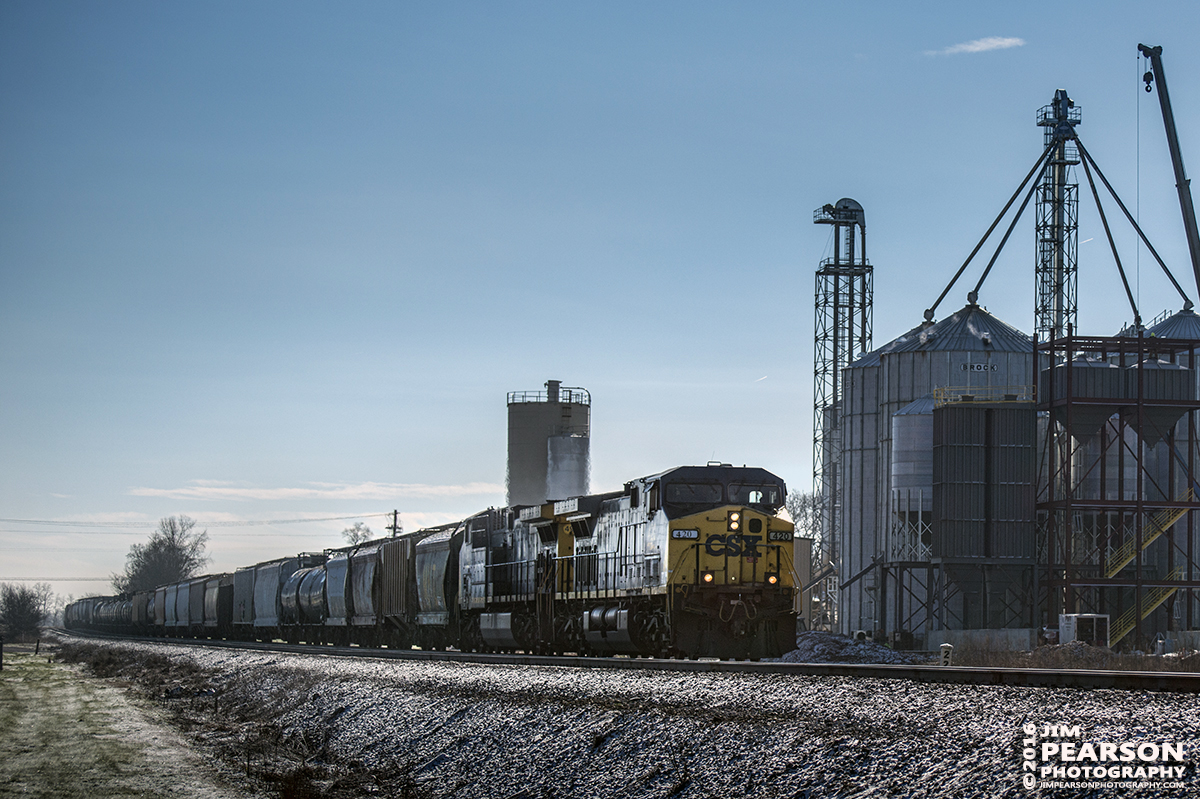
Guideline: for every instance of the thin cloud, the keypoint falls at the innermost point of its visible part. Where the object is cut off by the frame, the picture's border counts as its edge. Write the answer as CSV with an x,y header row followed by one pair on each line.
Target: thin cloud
x,y
117,519
217,490
980,45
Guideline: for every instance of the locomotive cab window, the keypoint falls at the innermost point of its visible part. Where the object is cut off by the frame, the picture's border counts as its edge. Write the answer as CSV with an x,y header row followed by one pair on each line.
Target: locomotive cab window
x,y
766,496
681,499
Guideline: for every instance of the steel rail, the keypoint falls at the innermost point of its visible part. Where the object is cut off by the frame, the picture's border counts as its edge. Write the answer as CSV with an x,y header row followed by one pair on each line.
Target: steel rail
x,y
1158,681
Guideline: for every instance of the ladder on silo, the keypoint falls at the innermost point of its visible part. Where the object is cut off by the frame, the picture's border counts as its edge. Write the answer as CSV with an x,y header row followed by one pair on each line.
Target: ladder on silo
x,y
1156,525
1150,603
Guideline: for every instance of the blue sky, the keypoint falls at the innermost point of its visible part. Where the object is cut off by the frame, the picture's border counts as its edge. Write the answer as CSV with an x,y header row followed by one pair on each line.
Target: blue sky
x,y
277,261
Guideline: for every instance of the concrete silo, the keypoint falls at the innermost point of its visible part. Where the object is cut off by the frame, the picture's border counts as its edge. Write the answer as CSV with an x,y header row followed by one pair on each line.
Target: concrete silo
x,y
549,437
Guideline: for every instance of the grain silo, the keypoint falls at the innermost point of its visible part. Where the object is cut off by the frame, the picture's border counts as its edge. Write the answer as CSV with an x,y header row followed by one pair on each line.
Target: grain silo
x,y
549,437
884,587
908,529
984,497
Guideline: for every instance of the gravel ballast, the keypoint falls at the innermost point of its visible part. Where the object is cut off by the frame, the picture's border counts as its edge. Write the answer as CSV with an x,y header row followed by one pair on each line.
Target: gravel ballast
x,y
337,726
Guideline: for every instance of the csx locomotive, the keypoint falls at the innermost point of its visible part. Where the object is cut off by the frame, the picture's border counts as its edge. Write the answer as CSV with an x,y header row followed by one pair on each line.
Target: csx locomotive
x,y
696,561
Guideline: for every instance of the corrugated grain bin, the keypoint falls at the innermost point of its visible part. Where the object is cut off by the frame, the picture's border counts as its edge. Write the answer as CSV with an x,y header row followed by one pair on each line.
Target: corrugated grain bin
x,y
1160,380
912,448
853,531
984,462
970,349
1088,380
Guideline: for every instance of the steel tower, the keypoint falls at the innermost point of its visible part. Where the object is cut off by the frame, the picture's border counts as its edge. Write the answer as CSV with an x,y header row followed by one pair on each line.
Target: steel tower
x,y
1057,227
843,332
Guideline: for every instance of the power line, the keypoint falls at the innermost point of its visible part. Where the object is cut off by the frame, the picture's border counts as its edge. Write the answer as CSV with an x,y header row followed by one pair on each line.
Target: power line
x,y
143,525
141,532
55,579
64,550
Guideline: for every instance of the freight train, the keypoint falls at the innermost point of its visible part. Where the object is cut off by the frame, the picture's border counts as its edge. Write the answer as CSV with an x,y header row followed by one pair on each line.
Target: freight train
x,y
696,561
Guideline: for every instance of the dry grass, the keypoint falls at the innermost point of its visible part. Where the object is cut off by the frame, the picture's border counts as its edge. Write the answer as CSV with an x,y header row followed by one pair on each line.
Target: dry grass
x,y
242,730
62,737
1077,655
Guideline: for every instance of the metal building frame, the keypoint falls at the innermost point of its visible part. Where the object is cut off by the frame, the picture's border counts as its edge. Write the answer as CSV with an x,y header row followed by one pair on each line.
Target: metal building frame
x,y
1057,223
844,297
1104,554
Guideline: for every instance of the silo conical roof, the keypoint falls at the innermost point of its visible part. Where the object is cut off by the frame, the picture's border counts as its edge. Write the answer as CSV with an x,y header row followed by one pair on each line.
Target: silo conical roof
x,y
872,358
970,328
917,407
1182,325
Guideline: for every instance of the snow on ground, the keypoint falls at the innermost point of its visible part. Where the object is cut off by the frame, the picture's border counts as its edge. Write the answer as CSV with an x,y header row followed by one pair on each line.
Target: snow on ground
x,y
466,730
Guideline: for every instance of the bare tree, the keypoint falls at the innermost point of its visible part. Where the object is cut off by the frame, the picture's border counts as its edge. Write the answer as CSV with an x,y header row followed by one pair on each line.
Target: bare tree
x,y
23,608
802,508
358,534
173,553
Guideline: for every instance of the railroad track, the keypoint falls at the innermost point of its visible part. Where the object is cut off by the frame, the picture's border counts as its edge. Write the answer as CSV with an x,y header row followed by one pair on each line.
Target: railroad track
x,y
1159,681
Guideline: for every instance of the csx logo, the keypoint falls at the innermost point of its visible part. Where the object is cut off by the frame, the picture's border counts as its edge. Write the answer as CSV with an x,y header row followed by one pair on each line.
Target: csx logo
x,y
732,545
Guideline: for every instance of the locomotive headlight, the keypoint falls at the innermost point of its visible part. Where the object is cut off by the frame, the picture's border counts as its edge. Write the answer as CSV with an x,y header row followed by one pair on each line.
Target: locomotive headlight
x,y
772,578
734,522
707,577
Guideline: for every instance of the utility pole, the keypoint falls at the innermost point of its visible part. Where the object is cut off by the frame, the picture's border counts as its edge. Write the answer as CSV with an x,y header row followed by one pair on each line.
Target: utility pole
x,y
395,527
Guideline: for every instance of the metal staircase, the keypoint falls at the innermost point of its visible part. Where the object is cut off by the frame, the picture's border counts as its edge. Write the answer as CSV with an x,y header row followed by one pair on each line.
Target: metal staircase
x,y
1156,525
1150,602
